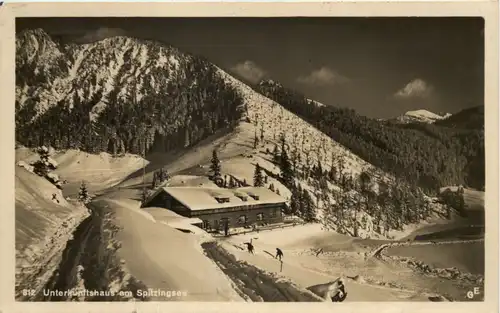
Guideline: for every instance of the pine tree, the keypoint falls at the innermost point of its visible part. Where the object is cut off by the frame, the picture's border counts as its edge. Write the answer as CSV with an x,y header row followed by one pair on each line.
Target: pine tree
x,y
294,203
215,164
163,175
43,152
258,180
144,196
319,170
83,194
42,166
276,156
364,181
300,200
309,209
155,180
332,174
461,206
294,159
285,166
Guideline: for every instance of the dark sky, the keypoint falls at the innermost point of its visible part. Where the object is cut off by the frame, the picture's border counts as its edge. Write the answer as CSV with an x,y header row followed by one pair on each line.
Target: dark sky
x,y
381,67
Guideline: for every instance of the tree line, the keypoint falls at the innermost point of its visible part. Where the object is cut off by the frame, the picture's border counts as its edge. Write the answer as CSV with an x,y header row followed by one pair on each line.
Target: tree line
x,y
174,111
430,156
356,204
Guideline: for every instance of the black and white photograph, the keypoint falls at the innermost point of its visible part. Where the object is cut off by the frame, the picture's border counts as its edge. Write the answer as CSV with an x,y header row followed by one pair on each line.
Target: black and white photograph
x,y
250,159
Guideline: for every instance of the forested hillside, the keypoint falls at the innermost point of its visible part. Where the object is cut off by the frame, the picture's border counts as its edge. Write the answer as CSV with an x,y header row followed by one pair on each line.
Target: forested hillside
x,y
124,95
471,118
117,95
424,154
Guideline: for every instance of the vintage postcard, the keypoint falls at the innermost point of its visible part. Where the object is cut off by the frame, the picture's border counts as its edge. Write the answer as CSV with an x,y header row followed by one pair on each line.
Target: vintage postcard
x,y
185,158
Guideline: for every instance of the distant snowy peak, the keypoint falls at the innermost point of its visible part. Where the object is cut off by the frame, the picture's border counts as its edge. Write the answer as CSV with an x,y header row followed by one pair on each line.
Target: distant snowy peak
x,y
421,116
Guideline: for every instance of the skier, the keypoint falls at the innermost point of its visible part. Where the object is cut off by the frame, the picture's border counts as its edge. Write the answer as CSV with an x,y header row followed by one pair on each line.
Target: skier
x,y
249,247
279,254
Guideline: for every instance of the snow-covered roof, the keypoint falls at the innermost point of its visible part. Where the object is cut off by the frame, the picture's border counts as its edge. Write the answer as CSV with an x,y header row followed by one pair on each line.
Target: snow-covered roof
x,y
196,198
184,222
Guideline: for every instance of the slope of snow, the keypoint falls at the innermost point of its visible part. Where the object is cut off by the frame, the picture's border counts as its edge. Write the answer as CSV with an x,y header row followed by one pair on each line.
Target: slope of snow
x,y
43,226
98,171
275,120
161,257
421,116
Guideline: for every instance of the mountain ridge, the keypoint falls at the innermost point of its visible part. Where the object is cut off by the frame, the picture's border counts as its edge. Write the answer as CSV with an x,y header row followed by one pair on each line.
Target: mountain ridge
x,y
427,154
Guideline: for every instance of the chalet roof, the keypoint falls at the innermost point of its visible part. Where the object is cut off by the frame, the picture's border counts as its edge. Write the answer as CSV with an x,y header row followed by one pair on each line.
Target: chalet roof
x,y
199,198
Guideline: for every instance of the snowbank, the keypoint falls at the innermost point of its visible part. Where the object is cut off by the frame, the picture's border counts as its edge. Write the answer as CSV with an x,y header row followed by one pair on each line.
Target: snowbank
x,y
163,258
44,224
99,171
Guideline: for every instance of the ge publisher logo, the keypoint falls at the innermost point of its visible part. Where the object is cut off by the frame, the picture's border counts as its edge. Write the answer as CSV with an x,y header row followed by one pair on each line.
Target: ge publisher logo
x,y
472,293
29,292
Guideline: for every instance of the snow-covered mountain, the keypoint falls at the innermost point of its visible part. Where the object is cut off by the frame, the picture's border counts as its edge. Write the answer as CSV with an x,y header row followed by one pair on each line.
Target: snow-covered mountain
x,y
421,116
119,73
119,95
125,95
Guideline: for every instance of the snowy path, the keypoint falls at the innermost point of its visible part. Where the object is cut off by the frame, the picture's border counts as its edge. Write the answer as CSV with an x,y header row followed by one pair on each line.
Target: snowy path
x,y
256,284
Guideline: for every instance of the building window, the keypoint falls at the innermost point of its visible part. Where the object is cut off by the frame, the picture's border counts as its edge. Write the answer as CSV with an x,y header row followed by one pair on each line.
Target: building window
x,y
242,219
260,217
206,224
273,213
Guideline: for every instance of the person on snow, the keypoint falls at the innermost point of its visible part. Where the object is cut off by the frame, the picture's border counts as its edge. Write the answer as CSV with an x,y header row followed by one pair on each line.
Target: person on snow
x,y
279,254
249,247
